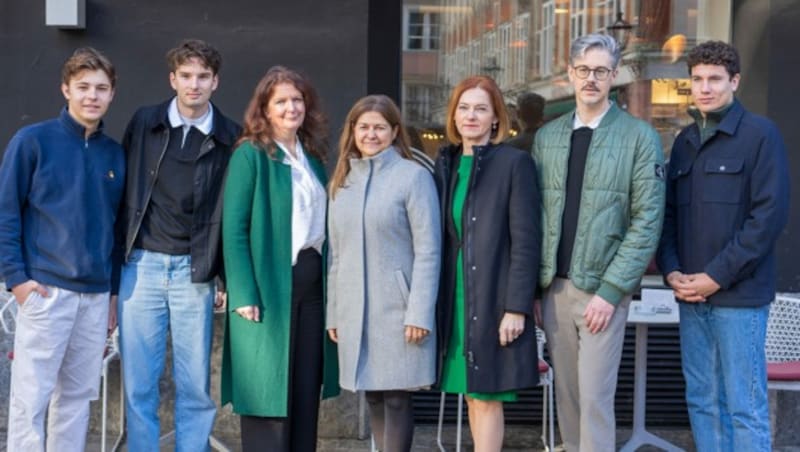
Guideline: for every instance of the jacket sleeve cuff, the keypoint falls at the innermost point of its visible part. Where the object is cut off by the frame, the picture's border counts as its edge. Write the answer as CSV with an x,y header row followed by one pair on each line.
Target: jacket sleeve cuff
x,y
610,293
16,279
718,276
420,320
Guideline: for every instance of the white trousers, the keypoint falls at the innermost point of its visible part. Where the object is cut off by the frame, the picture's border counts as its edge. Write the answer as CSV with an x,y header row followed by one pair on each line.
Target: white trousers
x,y
58,357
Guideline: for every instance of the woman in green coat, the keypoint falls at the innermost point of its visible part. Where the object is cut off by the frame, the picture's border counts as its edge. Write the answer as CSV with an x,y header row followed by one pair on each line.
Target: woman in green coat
x,y
273,237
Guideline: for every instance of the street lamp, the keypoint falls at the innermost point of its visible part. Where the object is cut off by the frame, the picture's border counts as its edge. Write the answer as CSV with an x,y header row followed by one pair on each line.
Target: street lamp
x,y
491,69
620,29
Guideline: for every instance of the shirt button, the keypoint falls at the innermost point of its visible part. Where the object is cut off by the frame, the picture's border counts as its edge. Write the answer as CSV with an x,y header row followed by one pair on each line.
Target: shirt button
x,y
476,367
152,172
474,267
722,168
473,218
475,317
194,270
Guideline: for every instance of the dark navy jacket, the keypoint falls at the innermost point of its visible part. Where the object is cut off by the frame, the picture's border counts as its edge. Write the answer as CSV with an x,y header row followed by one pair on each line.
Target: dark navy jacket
x,y
59,194
727,203
500,245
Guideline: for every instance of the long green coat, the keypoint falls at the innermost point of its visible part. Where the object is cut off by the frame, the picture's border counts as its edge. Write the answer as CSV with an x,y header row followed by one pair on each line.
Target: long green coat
x,y
257,237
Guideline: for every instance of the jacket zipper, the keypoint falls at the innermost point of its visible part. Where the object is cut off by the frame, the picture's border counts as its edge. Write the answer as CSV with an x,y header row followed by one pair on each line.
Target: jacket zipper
x,y
464,263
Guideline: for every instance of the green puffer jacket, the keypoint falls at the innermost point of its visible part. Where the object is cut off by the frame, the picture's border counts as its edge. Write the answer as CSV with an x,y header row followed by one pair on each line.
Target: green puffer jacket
x,y
622,202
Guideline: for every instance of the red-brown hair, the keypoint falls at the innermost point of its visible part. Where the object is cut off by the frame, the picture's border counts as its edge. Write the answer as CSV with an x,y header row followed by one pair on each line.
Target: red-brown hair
x,y
257,128
498,105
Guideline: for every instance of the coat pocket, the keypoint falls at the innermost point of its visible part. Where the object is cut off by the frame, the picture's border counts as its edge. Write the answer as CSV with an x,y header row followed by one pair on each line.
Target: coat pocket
x,y
723,180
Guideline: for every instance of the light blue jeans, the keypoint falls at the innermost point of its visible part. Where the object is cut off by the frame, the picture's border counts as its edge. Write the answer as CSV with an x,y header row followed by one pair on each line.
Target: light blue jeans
x,y
722,351
156,295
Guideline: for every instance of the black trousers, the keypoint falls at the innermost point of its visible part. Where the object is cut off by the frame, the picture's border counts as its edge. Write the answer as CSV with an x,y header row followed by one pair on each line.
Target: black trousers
x,y
298,431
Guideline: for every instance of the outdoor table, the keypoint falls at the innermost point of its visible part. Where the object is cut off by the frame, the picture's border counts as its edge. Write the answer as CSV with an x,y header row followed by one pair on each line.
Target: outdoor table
x,y
657,307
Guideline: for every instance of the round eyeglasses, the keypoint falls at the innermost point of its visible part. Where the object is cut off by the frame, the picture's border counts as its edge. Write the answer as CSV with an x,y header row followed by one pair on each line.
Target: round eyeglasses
x,y
600,73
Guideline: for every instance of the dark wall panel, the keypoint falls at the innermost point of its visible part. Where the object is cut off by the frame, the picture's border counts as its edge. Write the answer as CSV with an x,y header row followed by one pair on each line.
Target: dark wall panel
x,y
783,99
763,31
327,40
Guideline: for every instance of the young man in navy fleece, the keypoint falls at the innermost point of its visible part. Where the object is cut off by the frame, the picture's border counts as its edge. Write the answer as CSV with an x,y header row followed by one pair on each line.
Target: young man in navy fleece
x,y
62,182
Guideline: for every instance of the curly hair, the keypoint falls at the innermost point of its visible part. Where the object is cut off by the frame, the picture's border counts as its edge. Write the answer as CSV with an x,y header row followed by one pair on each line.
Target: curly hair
x,y
715,53
257,128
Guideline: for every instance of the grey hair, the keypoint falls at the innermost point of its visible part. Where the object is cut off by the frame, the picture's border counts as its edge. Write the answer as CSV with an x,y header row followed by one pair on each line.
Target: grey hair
x,y
593,41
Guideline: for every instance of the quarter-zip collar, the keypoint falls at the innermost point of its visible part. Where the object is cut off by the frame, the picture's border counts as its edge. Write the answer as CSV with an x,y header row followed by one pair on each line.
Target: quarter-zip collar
x,y
725,120
74,126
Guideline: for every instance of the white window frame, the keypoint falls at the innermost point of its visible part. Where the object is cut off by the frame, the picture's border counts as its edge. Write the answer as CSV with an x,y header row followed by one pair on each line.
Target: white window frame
x,y
429,34
546,37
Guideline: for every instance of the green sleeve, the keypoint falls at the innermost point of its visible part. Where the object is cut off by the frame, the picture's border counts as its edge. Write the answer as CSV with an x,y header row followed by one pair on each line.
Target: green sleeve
x,y
237,210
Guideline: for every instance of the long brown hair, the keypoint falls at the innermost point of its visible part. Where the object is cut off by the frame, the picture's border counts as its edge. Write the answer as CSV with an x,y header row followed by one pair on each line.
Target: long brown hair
x,y
347,143
495,95
257,128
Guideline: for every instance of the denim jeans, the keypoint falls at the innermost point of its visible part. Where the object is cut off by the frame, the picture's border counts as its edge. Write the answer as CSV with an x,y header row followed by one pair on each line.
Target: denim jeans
x,y
722,352
157,295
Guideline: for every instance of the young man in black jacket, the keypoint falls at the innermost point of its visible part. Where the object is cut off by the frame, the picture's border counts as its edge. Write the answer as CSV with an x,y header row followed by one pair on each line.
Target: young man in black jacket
x,y
177,154
727,202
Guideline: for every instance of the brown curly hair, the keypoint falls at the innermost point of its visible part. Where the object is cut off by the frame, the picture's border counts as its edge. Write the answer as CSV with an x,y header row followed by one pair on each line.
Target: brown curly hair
x,y
715,53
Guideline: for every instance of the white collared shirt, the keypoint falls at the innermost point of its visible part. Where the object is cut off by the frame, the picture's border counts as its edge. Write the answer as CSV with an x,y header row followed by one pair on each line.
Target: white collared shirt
x,y
308,203
203,123
593,124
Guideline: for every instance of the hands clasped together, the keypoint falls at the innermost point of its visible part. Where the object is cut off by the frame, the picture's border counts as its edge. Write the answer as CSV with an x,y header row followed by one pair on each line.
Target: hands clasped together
x,y
693,288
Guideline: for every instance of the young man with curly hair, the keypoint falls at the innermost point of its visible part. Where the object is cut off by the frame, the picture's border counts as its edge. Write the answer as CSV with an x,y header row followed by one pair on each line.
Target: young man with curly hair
x,y
727,202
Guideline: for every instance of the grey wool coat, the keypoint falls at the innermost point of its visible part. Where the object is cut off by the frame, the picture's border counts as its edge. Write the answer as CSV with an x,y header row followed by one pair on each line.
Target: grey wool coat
x,y
384,239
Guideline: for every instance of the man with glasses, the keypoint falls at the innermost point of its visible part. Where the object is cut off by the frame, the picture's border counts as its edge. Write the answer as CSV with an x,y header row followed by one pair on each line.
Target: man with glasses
x,y
602,184
727,203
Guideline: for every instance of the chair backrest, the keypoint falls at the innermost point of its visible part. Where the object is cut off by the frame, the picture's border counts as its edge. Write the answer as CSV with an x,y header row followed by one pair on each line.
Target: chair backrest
x,y
783,330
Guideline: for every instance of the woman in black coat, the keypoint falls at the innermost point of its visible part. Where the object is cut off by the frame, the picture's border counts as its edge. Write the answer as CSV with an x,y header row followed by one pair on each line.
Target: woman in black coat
x,y
490,212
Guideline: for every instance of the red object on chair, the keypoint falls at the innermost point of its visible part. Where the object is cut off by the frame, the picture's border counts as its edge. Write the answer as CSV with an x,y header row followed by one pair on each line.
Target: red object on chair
x,y
786,371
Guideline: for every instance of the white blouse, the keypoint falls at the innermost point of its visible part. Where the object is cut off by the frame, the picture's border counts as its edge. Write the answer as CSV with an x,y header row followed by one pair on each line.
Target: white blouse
x,y
308,203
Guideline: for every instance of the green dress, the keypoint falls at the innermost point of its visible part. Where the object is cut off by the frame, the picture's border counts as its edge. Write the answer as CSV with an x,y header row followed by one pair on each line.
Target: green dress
x,y
454,372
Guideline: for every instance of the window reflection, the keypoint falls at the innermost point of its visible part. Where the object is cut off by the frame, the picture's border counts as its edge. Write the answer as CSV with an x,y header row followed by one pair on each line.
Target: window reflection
x,y
524,46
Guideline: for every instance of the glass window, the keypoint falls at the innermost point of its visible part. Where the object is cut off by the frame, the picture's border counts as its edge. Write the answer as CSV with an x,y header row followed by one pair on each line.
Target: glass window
x,y
524,46
421,30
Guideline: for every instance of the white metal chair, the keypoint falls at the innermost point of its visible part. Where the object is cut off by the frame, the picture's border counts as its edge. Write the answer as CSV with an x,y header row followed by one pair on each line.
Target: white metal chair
x,y
111,353
8,312
783,344
545,381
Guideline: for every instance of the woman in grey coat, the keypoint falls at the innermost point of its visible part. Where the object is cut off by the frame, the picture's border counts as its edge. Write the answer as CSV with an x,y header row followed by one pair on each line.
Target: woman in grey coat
x,y
384,239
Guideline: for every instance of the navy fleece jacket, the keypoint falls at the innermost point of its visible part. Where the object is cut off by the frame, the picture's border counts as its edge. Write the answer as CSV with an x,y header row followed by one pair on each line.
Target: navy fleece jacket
x,y
59,194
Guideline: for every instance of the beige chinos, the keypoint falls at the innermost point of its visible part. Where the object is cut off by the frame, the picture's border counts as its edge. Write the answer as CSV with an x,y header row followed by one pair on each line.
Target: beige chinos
x,y
585,366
